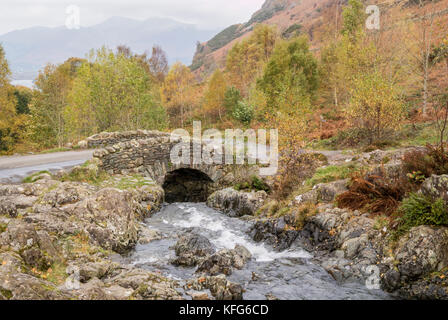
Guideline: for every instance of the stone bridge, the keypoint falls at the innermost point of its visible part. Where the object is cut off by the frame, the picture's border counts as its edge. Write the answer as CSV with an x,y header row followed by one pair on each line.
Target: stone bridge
x,y
148,153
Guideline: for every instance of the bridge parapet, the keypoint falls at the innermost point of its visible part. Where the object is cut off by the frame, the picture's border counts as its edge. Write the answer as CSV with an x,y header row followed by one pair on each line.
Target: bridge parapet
x,y
105,139
151,157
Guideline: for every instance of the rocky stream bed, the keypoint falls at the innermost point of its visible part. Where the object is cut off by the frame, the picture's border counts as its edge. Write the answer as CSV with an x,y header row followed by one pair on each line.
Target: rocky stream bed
x,y
119,240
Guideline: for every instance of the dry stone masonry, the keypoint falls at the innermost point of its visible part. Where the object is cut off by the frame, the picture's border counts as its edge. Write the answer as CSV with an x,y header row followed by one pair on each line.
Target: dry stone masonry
x,y
105,139
150,156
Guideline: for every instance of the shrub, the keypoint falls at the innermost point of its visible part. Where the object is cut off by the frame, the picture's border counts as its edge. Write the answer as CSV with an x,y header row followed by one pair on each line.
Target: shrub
x,y
419,210
255,183
294,170
305,210
374,194
259,184
433,160
243,112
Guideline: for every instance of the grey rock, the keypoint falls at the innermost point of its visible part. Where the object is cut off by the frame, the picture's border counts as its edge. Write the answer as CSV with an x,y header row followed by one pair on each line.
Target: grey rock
x,y
237,203
192,249
436,187
223,261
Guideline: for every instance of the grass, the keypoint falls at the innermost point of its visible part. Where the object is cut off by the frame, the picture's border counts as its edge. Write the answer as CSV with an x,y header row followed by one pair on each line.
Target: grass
x,y
86,174
6,293
332,173
56,273
418,134
381,222
3,227
33,178
132,182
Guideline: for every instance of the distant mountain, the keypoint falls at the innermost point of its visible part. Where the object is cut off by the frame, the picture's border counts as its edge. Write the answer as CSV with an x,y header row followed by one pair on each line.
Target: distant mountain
x,y
312,17
28,50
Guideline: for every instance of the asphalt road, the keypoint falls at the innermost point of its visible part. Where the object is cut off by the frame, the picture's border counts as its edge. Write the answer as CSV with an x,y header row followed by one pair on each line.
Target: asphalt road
x,y
15,168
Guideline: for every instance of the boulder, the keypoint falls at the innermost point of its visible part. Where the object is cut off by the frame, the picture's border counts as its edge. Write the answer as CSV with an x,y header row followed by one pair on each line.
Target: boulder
x,y
192,249
436,187
323,192
274,232
237,203
219,286
327,192
423,250
7,207
109,218
223,261
66,193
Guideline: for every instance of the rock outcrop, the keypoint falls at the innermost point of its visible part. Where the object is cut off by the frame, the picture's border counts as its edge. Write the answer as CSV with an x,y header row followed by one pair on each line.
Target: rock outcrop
x,y
56,239
224,261
436,187
192,249
237,203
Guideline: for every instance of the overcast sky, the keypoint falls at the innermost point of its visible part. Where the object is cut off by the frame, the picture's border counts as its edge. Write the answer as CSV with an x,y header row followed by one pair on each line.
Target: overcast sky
x,y
207,14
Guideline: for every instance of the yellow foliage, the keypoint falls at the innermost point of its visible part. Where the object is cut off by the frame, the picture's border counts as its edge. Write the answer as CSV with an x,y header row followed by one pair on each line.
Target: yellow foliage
x,y
178,95
214,97
375,105
245,61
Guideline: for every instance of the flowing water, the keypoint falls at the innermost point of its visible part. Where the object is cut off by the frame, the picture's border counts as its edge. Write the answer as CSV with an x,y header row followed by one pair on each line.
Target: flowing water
x,y
288,275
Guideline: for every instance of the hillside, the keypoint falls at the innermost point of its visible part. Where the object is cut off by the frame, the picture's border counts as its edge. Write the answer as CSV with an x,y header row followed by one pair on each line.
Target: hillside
x,y
317,18
30,49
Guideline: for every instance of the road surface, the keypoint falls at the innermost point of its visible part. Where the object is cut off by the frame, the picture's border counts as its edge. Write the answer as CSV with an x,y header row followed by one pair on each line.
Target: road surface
x,y
15,168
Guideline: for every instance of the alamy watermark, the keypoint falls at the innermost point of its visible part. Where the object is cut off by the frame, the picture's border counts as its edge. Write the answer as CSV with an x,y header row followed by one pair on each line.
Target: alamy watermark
x,y
73,20
373,281
233,147
373,20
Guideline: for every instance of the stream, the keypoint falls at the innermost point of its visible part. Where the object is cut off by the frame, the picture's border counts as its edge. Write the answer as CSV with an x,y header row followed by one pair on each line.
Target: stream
x,y
287,275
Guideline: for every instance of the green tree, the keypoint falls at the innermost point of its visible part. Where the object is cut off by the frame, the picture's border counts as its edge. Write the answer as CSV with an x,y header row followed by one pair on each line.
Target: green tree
x,y
48,125
231,99
291,77
112,92
23,96
354,18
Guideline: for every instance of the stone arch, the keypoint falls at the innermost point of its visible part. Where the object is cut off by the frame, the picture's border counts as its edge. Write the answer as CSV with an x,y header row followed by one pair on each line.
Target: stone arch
x,y
187,185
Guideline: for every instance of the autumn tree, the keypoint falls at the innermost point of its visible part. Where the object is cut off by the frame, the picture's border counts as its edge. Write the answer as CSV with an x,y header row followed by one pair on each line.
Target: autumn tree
x,y
424,32
112,92
178,96
158,64
349,54
11,123
375,105
214,99
246,59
